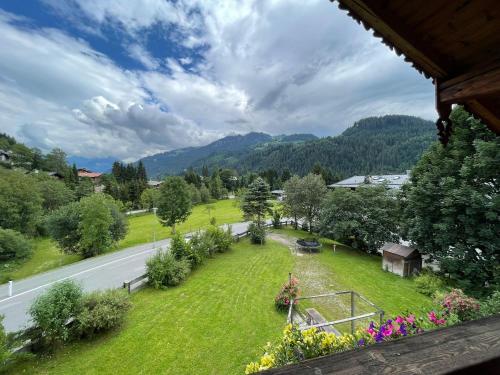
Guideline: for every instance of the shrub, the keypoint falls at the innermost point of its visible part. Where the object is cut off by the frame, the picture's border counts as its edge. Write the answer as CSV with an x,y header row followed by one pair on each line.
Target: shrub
x,y
102,311
213,220
222,239
457,302
257,234
52,310
199,249
13,245
5,352
288,292
428,283
491,305
179,247
276,219
163,270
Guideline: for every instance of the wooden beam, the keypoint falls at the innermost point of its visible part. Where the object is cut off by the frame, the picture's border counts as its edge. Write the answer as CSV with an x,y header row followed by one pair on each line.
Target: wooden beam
x,y
478,82
484,114
392,32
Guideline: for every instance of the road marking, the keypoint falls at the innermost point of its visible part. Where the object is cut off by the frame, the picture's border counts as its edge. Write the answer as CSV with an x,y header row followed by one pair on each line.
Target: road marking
x,y
76,274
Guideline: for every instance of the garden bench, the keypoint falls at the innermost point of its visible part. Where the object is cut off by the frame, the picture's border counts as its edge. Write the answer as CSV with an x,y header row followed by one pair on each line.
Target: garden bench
x,y
314,317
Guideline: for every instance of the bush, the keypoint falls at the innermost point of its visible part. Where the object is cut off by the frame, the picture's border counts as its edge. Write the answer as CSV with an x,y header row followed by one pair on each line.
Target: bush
x,y
221,239
491,305
428,283
257,234
101,311
179,247
52,310
199,248
289,291
276,219
458,303
163,270
13,245
5,352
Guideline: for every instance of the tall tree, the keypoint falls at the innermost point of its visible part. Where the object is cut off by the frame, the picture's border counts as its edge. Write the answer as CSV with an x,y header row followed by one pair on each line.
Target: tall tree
x,y
293,199
55,161
364,219
20,202
174,202
256,202
313,193
452,206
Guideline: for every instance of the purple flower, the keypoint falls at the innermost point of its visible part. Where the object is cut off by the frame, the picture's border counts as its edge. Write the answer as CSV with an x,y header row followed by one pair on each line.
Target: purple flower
x,y
372,325
361,342
402,330
379,337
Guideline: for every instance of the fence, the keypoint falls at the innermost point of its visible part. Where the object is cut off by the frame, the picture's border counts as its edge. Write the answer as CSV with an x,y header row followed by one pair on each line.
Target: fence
x,y
353,317
238,236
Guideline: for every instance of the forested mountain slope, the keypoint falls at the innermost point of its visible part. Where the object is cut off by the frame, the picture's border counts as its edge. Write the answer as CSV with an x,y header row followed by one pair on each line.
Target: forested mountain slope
x,y
384,144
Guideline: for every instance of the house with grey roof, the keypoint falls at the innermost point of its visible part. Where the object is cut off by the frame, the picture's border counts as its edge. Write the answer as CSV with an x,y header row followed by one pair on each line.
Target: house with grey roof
x,y
392,181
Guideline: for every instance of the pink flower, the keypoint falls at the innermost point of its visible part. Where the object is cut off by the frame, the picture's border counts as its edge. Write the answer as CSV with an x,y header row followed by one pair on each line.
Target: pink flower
x,y
410,319
371,331
399,320
387,331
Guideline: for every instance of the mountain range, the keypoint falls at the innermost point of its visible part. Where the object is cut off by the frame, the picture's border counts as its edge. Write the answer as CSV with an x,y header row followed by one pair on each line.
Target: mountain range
x,y
374,145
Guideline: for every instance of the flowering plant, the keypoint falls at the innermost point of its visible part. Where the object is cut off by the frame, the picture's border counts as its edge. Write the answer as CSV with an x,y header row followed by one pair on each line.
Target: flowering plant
x,y
393,328
297,345
289,291
457,302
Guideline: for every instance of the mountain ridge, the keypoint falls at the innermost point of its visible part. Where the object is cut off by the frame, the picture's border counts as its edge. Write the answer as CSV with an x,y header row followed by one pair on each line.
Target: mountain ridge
x,y
384,144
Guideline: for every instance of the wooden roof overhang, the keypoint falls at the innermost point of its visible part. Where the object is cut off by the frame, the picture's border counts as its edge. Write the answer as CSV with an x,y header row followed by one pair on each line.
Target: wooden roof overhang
x,y
456,43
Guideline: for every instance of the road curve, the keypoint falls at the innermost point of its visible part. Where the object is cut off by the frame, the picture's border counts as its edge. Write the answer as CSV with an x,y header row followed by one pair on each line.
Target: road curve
x,y
102,272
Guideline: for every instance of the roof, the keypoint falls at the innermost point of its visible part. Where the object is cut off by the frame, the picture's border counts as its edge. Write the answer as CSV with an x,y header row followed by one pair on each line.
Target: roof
x,y
454,43
278,192
86,173
154,183
3,152
392,181
398,249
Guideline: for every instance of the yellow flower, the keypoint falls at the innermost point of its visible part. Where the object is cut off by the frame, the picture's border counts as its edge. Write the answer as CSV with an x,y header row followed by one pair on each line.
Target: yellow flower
x,y
252,368
267,361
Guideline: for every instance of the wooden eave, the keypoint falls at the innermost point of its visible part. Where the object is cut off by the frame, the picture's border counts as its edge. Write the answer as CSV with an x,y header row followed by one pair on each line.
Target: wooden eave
x,y
456,43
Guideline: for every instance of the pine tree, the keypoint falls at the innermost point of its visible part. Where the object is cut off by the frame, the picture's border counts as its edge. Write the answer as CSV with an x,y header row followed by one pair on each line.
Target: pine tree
x,y
256,202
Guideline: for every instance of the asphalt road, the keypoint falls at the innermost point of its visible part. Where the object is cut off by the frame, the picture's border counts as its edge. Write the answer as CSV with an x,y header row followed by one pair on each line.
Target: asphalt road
x,y
102,272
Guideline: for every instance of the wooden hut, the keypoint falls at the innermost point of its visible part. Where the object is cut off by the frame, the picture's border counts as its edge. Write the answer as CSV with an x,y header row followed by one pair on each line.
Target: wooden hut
x,y
401,260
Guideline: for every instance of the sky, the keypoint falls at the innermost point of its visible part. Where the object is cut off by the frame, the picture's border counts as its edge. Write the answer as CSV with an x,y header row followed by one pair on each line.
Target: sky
x,y
126,79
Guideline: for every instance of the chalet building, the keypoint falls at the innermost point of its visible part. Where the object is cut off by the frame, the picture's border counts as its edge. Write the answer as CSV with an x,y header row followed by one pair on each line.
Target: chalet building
x,y
95,177
56,175
278,194
392,181
154,184
5,156
400,259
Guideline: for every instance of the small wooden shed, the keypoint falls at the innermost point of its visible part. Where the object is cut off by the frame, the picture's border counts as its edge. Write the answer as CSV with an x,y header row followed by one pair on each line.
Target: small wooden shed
x,y
401,260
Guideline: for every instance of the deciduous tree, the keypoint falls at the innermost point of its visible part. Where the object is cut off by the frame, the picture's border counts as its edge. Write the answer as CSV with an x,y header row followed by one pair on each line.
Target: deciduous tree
x,y
174,203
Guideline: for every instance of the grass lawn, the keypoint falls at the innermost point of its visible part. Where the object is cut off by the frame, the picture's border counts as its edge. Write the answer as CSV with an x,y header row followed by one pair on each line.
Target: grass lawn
x,y
143,227
214,323
350,269
46,254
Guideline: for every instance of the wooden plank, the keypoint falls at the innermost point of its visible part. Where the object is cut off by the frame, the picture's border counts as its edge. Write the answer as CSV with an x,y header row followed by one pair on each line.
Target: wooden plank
x,y
315,317
479,82
489,118
392,31
468,348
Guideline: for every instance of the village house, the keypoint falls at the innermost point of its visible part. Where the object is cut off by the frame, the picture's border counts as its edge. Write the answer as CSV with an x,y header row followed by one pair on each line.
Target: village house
x,y
5,156
95,177
391,181
400,259
154,184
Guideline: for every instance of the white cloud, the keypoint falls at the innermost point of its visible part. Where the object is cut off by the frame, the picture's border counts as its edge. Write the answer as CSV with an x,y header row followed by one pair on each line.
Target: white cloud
x,y
56,91
278,66
137,52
